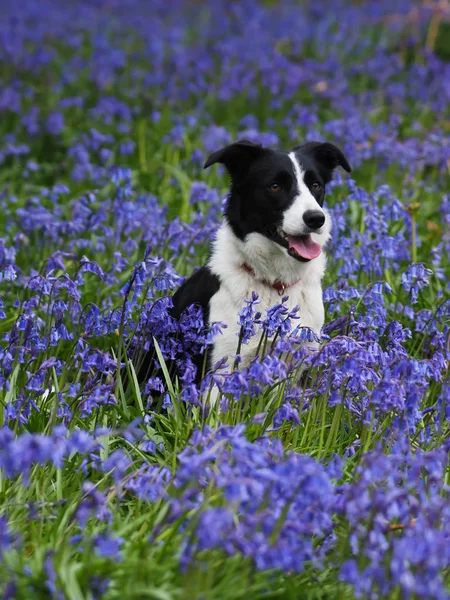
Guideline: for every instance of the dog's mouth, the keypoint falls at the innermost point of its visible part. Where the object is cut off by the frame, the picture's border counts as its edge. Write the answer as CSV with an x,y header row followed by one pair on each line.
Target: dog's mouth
x,y
300,247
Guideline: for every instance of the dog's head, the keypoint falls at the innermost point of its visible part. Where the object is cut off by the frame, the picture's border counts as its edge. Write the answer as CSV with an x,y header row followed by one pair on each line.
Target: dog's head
x,y
280,194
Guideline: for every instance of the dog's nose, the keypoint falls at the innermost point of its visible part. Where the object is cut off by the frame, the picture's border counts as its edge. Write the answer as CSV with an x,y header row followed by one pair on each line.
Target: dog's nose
x,y
314,218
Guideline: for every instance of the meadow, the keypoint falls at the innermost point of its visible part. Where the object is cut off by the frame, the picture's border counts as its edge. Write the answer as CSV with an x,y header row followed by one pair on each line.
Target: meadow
x,y
335,485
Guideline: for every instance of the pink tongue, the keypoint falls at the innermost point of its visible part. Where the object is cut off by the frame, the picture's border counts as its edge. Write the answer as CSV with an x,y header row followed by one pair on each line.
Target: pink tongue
x,y
304,246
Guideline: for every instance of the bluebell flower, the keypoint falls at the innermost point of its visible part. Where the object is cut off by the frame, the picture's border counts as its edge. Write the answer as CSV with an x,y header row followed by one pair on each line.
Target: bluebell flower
x,y
93,503
92,267
51,582
6,536
214,137
264,138
118,463
415,279
248,318
278,319
55,123
108,547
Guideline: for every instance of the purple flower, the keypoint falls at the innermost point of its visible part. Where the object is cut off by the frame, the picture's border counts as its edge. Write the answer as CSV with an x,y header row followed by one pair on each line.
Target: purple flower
x,y
108,547
214,137
6,537
278,319
93,503
415,279
118,463
248,318
52,578
55,123
92,267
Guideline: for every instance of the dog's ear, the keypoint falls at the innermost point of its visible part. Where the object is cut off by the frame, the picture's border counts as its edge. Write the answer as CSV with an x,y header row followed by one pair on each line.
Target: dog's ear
x,y
235,156
328,155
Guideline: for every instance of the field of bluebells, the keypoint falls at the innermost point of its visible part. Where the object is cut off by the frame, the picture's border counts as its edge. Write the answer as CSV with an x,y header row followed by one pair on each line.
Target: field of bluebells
x,y
334,485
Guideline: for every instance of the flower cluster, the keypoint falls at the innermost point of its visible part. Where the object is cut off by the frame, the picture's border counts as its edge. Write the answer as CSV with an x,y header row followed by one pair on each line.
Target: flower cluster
x,y
323,459
397,516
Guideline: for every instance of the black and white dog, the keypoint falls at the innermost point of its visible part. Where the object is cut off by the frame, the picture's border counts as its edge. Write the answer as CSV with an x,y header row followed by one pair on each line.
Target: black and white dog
x,y
270,241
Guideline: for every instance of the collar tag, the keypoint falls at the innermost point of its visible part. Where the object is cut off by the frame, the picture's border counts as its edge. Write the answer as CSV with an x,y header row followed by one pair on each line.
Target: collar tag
x,y
278,285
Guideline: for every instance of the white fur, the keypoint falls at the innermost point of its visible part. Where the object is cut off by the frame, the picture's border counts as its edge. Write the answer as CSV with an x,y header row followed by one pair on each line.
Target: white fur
x,y
270,262
293,223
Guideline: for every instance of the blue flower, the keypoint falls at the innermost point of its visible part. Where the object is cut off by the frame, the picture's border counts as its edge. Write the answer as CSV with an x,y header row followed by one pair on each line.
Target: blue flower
x,y
55,123
108,547
248,318
414,279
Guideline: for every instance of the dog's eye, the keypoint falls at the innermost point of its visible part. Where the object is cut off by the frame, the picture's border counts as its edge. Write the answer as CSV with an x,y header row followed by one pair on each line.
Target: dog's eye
x,y
274,187
316,186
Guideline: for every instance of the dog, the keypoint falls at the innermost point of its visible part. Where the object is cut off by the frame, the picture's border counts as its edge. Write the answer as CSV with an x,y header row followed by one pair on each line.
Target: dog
x,y
271,240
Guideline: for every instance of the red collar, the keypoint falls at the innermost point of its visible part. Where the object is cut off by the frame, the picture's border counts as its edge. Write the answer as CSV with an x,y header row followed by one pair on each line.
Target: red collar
x,y
276,285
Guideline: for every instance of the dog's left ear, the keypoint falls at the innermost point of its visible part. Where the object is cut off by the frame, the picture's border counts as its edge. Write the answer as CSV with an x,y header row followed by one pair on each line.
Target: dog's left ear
x,y
328,155
235,156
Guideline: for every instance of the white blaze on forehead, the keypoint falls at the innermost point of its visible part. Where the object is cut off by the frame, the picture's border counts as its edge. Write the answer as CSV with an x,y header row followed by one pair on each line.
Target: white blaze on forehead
x,y
301,185
298,171
293,223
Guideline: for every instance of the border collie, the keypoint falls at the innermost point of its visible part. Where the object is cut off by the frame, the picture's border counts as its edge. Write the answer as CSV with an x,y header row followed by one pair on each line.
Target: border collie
x,y
270,241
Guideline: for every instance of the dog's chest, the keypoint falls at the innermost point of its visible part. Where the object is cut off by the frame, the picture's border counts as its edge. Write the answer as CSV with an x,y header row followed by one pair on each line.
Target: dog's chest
x,y
226,304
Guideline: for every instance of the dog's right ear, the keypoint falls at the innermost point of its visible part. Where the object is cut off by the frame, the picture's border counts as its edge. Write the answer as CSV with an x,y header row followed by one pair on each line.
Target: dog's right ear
x,y
235,155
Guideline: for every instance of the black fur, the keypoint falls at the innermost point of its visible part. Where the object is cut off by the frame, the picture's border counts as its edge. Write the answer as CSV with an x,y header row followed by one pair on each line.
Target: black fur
x,y
197,289
324,156
251,206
